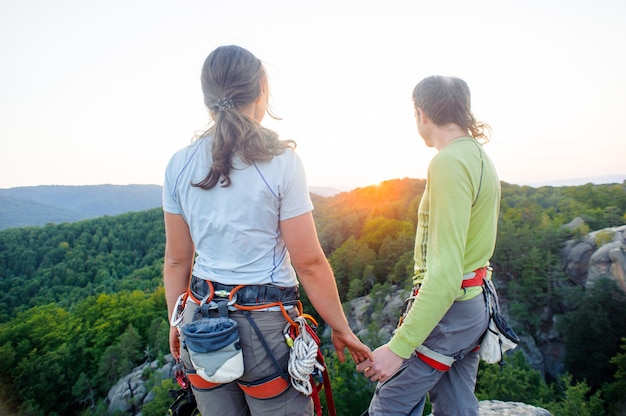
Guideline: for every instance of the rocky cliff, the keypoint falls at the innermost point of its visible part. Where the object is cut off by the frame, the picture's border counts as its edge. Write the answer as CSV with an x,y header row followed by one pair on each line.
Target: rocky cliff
x,y
373,317
600,253
130,393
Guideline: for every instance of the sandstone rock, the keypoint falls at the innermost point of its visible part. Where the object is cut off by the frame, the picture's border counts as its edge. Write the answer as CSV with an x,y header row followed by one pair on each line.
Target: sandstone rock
x,y
576,255
130,392
358,313
498,408
585,262
575,223
609,260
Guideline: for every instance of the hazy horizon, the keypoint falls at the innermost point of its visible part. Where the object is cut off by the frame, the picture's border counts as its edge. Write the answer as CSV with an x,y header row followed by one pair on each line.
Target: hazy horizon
x,y
106,92
330,190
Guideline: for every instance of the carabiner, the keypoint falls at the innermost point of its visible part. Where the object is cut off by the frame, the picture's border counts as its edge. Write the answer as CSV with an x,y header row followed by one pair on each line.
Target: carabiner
x,y
178,312
221,293
287,334
180,376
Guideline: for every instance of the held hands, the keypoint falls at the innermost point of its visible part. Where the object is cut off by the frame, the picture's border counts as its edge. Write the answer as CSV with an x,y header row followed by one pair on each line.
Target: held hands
x,y
383,365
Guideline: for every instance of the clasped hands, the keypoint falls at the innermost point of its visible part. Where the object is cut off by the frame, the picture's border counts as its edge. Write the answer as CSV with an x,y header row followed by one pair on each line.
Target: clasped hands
x,y
383,365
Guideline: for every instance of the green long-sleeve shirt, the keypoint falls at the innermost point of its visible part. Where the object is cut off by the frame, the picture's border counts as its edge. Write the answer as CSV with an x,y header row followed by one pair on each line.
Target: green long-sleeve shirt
x,y
456,234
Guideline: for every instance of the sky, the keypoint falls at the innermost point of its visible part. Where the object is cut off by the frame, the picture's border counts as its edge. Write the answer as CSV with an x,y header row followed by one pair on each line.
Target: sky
x,y
104,92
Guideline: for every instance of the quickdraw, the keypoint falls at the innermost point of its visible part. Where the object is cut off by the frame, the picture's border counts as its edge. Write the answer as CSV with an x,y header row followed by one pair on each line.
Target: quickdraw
x,y
184,401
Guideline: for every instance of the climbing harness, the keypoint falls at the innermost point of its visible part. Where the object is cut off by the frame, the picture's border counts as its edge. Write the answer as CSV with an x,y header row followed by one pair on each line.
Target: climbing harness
x,y
471,279
499,336
437,360
306,371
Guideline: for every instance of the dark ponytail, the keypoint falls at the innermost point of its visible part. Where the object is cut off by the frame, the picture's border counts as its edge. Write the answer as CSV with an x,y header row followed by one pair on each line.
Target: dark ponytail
x,y
232,78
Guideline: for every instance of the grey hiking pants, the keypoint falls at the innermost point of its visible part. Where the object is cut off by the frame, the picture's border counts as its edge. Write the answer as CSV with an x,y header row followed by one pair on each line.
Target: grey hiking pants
x,y
451,392
229,399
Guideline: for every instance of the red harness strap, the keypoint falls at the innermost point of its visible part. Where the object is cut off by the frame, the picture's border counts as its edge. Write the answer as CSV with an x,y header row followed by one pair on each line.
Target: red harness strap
x,y
477,280
330,402
264,389
437,365
200,383
439,361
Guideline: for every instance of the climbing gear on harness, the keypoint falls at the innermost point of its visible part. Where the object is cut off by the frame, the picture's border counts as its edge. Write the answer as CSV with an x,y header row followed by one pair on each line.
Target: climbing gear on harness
x,y
179,308
213,344
433,358
185,402
248,298
471,279
303,359
499,336
307,368
247,295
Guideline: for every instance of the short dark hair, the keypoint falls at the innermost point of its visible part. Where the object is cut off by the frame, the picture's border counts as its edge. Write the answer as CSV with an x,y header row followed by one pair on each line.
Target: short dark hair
x,y
448,100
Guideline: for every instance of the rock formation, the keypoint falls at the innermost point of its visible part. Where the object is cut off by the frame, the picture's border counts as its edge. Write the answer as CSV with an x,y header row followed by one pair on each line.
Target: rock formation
x,y
498,408
130,393
599,254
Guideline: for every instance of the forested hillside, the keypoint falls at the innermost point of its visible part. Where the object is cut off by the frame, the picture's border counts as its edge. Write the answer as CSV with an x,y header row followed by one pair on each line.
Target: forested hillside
x,y
40,205
81,303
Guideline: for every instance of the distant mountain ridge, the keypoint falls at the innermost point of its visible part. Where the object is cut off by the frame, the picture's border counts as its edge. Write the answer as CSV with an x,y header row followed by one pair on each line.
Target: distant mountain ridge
x,y
617,178
41,205
45,204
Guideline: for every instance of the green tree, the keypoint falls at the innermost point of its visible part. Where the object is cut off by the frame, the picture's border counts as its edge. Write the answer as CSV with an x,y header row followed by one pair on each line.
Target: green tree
x,y
516,381
613,392
162,399
351,391
589,347
83,391
349,262
576,400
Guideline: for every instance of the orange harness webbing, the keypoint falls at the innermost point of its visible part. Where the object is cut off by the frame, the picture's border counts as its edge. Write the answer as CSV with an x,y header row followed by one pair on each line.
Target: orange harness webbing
x,y
266,389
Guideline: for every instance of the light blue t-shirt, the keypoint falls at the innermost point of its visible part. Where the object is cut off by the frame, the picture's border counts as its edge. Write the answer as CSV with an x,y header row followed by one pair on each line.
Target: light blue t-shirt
x,y
235,229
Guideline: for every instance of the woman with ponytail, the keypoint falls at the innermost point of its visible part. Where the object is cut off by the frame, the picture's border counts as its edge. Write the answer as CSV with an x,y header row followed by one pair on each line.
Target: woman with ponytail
x,y
238,212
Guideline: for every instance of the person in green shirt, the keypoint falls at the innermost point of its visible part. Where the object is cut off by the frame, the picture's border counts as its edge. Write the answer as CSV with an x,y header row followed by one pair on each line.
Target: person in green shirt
x,y
435,349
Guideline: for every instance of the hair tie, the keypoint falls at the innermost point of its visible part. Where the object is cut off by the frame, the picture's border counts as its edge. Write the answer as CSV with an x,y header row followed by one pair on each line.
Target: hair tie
x,y
225,104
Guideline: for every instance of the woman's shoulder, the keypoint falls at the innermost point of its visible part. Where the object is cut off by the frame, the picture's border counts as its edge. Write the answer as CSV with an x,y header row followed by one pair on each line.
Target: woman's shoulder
x,y
187,152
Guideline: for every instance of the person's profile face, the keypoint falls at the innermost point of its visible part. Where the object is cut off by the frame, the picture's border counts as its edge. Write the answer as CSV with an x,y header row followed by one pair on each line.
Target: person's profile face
x,y
421,129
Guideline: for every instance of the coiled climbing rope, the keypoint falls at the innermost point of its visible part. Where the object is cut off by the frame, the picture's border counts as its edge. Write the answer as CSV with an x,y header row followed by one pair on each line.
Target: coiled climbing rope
x,y
303,359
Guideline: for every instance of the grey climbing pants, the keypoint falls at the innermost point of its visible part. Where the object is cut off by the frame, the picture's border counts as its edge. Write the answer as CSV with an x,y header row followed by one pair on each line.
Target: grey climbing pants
x,y
451,392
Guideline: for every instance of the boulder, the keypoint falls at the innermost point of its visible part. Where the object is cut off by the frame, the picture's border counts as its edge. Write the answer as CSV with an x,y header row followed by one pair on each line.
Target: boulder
x,y
589,258
609,260
130,393
498,408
